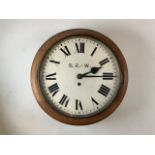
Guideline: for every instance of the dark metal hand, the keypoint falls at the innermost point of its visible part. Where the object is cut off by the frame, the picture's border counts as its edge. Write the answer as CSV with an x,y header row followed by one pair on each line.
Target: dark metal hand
x,y
105,77
93,70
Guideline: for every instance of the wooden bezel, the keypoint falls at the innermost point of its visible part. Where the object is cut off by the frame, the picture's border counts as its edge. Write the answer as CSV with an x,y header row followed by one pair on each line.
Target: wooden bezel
x,y
36,69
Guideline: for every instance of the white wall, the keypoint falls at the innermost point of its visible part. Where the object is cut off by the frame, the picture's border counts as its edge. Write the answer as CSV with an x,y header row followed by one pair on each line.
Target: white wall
x,y
19,111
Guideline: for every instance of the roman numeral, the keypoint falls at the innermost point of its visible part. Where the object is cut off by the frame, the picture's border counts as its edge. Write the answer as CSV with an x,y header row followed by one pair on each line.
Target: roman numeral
x,y
104,90
64,100
56,62
108,76
66,51
80,47
50,77
53,89
106,60
94,101
93,51
78,105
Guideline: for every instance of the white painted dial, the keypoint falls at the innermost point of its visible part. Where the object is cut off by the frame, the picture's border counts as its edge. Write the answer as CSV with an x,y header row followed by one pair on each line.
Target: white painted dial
x,y
80,76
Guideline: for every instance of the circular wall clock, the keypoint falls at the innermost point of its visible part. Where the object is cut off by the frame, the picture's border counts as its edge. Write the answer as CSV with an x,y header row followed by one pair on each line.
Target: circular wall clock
x,y
79,76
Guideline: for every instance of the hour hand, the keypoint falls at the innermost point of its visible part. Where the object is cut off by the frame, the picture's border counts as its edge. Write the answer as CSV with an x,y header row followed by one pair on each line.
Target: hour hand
x,y
93,70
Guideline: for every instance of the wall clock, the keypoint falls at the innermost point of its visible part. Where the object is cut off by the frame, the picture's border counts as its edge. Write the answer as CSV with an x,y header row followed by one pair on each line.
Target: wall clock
x,y
79,76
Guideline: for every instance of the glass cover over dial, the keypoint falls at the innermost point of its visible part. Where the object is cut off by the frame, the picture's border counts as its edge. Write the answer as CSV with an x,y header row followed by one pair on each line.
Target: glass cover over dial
x,y
79,76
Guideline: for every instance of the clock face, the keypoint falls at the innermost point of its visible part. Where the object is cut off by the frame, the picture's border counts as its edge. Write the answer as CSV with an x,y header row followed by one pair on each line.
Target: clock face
x,y
79,76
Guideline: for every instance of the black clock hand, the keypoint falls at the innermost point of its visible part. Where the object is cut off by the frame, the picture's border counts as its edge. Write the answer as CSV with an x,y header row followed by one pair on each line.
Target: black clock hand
x,y
105,76
93,70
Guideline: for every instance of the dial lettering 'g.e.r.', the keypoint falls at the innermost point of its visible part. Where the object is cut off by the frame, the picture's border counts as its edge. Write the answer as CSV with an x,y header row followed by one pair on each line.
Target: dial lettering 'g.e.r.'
x,y
82,76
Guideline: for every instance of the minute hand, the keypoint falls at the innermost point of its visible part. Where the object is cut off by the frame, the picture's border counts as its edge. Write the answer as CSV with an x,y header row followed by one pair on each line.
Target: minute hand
x,y
105,76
